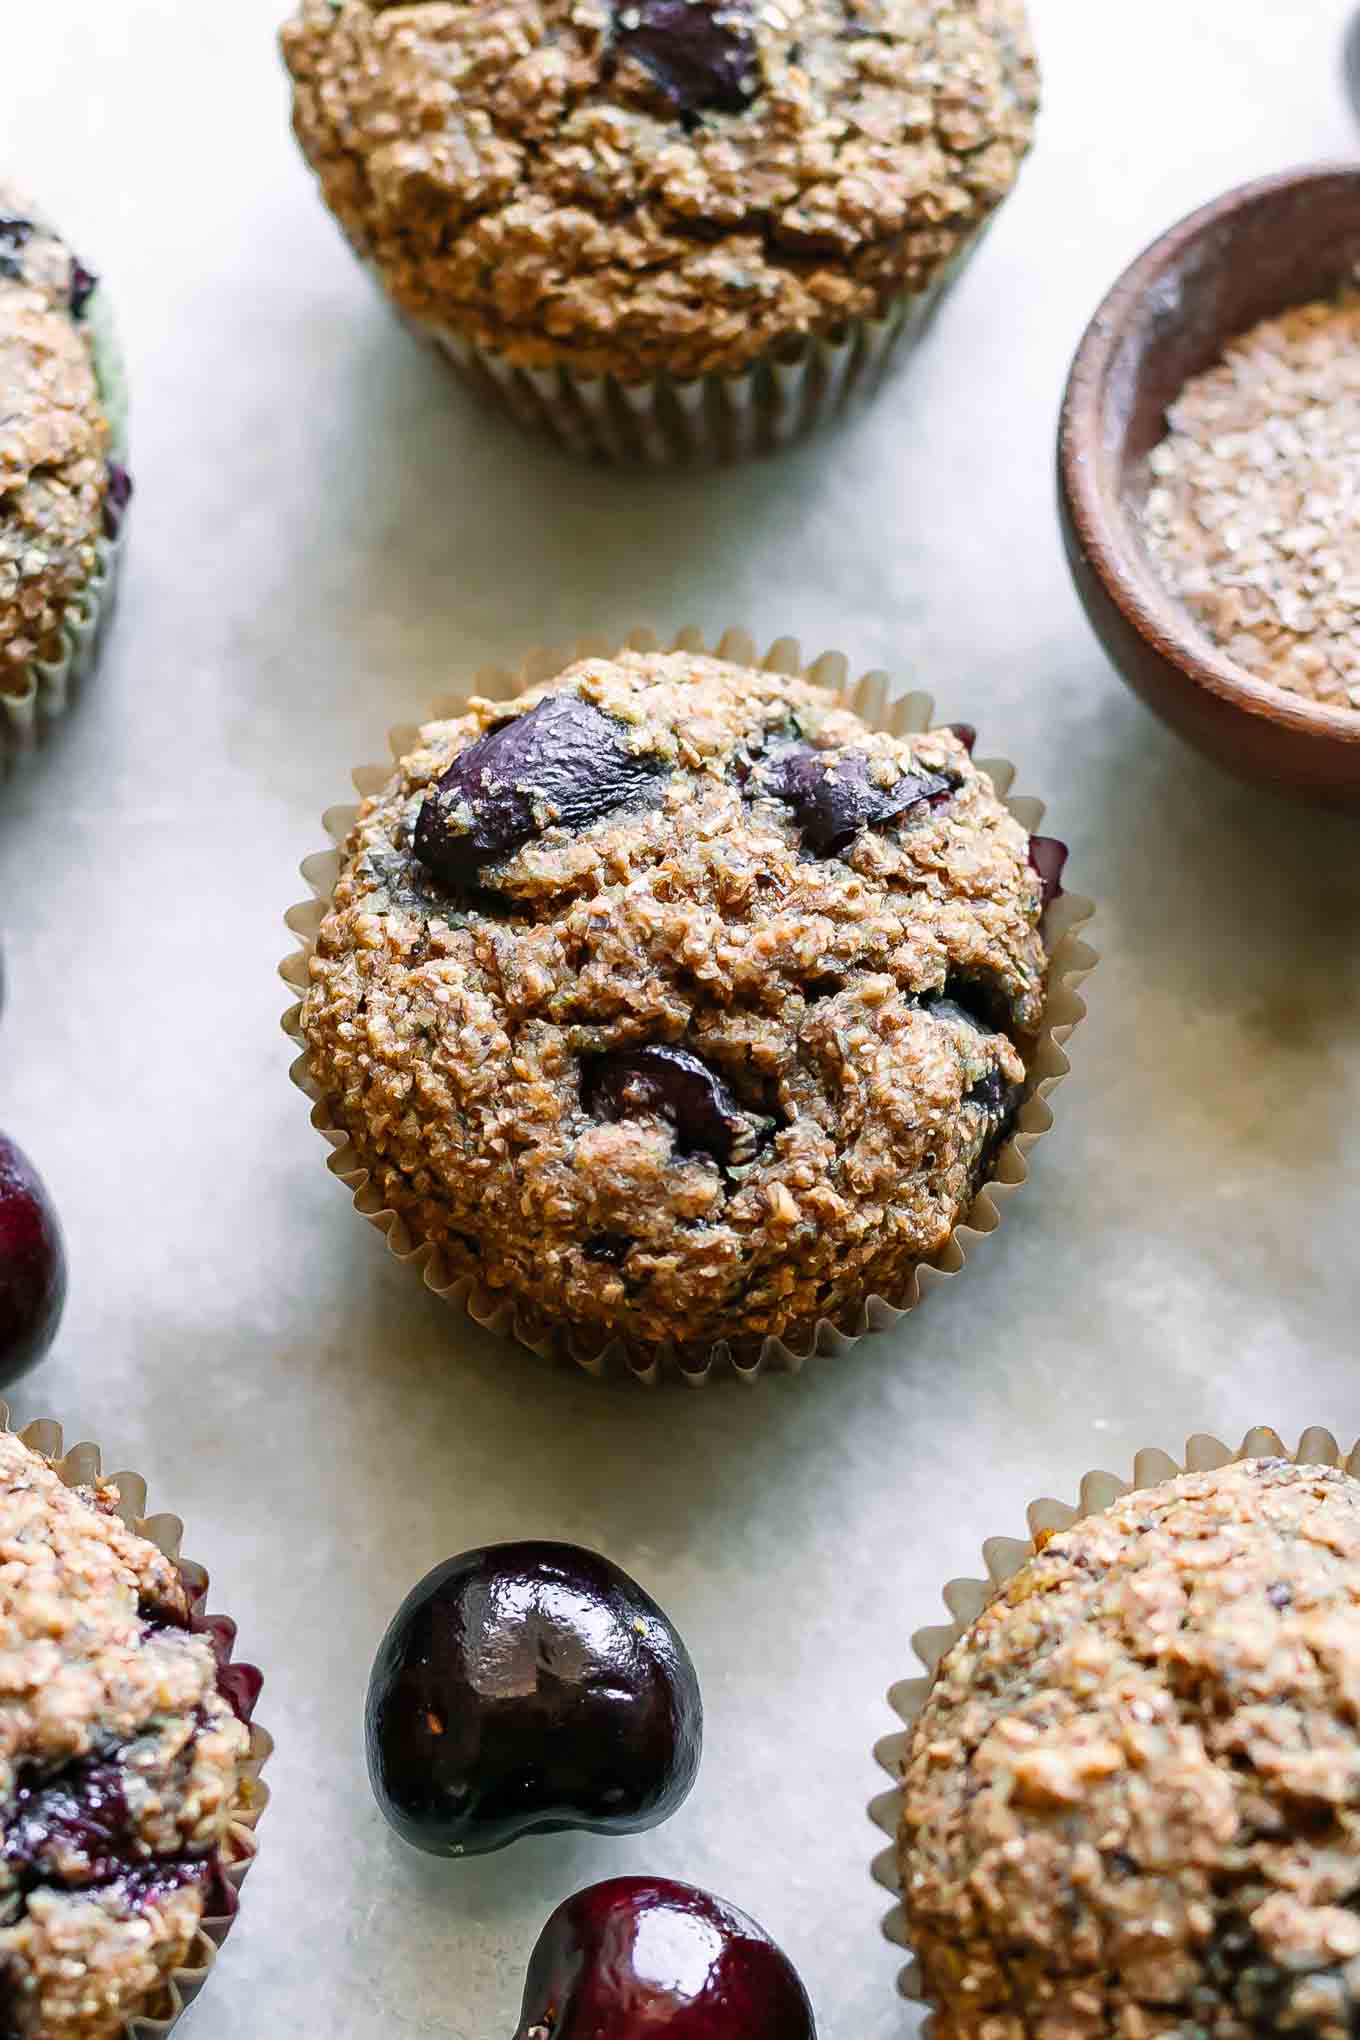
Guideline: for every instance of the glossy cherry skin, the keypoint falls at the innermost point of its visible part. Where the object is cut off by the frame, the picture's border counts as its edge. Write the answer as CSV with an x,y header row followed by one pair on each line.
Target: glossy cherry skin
x,y
641,1958
524,1688
32,1265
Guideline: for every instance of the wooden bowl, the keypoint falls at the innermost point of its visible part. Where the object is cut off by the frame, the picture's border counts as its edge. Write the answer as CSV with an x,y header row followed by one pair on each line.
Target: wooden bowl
x,y
1246,257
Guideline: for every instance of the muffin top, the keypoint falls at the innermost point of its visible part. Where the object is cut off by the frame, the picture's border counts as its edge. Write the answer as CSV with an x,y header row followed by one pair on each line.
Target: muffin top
x,y
54,441
676,1002
119,1761
656,186
1133,1796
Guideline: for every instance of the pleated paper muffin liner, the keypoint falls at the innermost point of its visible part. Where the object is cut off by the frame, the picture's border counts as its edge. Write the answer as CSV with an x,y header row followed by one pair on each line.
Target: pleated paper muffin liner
x,y
1070,963
666,422
80,1467
1003,1558
50,686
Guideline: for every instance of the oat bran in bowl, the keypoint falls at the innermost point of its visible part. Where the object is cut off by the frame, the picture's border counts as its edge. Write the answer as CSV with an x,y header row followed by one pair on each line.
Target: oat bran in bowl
x,y
674,1014
1223,586
665,230
1123,1800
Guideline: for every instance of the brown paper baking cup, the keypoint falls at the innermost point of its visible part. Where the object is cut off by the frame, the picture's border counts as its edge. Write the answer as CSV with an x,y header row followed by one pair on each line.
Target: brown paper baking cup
x,y
80,1467
706,420
1071,961
1003,1558
50,686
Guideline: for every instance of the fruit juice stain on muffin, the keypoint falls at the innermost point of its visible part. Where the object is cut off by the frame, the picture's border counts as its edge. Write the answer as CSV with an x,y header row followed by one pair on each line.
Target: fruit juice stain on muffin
x,y
674,1002
1131,1796
660,187
54,443
1253,517
120,1762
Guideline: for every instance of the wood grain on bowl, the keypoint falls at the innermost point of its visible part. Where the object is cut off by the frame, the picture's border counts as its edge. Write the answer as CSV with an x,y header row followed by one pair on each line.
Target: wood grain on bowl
x,y
1249,256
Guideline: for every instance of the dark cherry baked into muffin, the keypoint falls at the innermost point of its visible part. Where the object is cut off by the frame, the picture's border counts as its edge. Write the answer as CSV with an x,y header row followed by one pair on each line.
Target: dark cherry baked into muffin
x,y
1132,1800
121,1758
58,495
673,1002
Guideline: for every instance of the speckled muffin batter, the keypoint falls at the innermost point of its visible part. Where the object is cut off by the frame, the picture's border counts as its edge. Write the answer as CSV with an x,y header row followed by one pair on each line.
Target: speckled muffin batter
x,y
1133,1797
120,1761
659,186
54,442
672,1001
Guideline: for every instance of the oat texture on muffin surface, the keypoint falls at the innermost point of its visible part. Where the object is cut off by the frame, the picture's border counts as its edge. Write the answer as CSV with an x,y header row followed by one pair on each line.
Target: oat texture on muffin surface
x,y
54,442
672,1002
120,1762
1131,1796
654,187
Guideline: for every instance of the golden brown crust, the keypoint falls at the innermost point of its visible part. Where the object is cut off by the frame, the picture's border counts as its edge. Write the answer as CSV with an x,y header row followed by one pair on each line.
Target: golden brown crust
x,y
54,443
1133,1796
452,1036
515,184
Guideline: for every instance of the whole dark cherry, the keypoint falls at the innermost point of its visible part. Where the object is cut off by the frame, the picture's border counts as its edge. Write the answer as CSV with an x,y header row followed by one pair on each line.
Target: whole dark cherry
x,y
640,1957
525,1688
32,1265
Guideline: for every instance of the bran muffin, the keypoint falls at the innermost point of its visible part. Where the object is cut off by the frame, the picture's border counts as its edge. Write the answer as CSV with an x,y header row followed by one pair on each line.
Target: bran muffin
x,y
1132,1798
672,1003
63,488
124,1757
582,198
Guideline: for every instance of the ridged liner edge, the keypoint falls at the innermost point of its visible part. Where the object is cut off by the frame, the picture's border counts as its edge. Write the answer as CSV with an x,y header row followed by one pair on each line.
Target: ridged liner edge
x,y
706,420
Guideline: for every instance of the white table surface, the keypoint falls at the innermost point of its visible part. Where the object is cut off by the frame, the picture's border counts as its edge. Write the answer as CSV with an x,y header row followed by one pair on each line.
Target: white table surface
x,y
325,535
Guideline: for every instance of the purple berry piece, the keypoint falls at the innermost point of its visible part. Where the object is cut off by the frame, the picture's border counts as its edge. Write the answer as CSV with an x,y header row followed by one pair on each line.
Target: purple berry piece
x,y
995,1095
700,53
614,1248
1047,856
977,997
833,799
32,1265
240,1686
81,1814
83,286
146,1884
643,1955
117,496
524,1689
562,765
671,1084
14,238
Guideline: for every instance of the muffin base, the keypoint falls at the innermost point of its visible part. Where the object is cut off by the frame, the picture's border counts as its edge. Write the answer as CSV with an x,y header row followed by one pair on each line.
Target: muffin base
x,y
1003,1558
79,1467
711,420
52,685
1070,963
